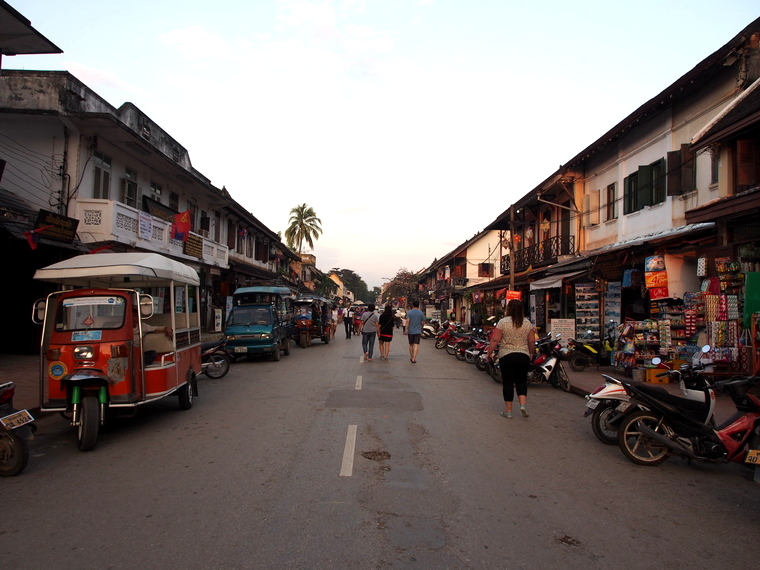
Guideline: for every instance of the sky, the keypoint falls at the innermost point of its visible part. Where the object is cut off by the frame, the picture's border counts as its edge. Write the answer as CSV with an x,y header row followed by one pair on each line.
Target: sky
x,y
408,125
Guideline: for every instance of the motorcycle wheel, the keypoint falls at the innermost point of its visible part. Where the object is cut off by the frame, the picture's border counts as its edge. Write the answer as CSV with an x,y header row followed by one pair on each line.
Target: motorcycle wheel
x,y
535,377
637,447
577,362
460,354
451,349
89,423
469,357
562,378
481,364
218,365
440,343
495,373
14,454
604,431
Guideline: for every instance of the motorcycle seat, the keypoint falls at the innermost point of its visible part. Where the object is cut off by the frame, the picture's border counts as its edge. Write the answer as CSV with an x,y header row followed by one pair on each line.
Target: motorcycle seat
x,y
211,344
664,396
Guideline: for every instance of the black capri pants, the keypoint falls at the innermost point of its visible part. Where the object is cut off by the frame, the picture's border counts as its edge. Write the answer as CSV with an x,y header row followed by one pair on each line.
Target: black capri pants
x,y
514,374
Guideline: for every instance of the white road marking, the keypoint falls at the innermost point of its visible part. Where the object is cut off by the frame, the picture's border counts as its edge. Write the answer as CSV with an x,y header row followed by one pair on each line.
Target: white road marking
x,y
358,382
347,466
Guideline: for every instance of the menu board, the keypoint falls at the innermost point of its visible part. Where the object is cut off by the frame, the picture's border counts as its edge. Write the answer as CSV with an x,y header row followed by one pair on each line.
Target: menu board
x,y
587,316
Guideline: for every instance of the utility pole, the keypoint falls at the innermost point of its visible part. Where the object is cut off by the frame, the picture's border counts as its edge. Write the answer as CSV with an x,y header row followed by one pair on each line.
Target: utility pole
x,y
512,247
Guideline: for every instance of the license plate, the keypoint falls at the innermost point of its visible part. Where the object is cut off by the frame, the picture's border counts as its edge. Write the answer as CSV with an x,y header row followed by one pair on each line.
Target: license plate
x,y
592,404
17,420
753,457
241,349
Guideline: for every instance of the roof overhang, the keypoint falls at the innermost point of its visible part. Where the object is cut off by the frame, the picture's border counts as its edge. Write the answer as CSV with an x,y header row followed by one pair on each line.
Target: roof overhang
x,y
18,37
553,281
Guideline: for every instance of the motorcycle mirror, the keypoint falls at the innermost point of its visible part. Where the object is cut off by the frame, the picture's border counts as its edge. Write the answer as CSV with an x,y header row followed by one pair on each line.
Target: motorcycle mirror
x,y
706,348
656,360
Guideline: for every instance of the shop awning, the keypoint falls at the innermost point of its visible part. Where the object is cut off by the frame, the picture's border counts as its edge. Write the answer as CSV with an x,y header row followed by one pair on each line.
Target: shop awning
x,y
553,281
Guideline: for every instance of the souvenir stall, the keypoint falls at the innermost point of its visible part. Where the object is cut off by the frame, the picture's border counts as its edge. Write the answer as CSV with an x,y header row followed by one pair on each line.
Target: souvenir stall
x,y
680,325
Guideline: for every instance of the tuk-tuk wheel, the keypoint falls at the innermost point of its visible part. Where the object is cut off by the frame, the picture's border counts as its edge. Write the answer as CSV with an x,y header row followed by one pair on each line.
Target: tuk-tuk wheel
x,y
89,423
185,395
276,353
304,340
286,346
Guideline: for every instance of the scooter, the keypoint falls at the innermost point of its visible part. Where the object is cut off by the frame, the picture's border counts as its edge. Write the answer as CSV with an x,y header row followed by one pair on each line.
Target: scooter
x,y
449,332
583,353
16,428
649,436
215,361
546,366
428,331
608,404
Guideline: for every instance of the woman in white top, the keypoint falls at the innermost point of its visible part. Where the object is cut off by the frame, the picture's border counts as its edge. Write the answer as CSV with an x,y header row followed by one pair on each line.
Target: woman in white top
x,y
516,338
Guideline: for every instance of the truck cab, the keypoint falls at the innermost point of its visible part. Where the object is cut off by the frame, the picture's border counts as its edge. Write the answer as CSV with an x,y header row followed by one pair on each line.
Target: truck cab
x,y
260,322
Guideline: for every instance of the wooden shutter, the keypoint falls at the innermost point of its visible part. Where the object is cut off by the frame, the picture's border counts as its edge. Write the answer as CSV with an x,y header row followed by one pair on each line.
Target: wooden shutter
x,y
674,173
746,164
645,187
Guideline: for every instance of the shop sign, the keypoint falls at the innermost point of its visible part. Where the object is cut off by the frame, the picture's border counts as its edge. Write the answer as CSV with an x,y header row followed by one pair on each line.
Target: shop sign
x,y
656,279
56,227
656,293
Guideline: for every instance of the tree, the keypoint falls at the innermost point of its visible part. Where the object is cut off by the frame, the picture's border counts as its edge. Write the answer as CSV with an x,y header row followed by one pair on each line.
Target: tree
x,y
304,226
353,283
402,288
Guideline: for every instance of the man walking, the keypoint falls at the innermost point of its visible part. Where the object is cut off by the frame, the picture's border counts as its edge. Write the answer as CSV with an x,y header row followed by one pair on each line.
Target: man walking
x,y
414,320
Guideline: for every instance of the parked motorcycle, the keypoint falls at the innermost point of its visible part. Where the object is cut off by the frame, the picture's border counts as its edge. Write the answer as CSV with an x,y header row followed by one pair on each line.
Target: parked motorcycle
x,y
546,366
449,332
16,428
609,403
649,437
583,353
428,331
215,361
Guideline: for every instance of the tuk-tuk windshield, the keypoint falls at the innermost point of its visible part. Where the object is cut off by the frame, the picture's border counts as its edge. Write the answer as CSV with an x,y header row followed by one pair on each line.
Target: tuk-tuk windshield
x,y
93,312
250,316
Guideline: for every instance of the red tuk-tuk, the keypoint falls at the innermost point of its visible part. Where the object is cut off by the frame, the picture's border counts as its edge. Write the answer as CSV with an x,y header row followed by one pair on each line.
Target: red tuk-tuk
x,y
124,331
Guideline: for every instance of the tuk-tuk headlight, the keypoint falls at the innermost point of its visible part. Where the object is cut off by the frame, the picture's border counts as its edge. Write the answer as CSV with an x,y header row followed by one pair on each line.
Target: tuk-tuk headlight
x,y
84,352
266,335
229,337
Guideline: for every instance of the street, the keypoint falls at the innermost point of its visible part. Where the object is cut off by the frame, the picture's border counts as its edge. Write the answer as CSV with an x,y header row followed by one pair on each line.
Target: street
x,y
262,473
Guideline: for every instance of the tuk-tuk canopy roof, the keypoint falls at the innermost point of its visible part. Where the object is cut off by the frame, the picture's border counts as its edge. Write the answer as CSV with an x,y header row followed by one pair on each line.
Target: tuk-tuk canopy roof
x,y
124,270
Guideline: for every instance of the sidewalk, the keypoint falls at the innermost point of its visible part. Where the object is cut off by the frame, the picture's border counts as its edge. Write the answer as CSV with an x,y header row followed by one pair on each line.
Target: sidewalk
x,y
24,371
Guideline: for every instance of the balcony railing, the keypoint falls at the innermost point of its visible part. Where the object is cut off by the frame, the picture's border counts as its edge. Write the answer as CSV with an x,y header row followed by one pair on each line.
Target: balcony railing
x,y
543,253
107,220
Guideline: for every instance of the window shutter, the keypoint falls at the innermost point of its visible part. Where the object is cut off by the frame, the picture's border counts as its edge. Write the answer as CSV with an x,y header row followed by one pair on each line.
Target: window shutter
x,y
746,164
645,186
687,169
674,173
594,208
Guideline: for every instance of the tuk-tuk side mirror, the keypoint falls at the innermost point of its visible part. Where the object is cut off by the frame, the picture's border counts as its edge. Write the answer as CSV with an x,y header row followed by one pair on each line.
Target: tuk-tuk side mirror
x,y
38,311
146,306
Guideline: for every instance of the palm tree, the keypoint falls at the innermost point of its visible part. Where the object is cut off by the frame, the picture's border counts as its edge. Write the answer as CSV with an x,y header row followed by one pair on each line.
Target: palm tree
x,y
304,226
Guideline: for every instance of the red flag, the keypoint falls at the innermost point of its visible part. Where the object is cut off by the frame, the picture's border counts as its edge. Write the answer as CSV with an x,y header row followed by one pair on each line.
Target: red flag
x,y
33,237
181,226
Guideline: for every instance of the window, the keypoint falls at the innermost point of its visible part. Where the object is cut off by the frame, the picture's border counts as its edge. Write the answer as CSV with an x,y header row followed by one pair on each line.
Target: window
x,y
611,209
714,166
155,189
217,227
102,175
129,192
485,269
645,187
174,201
591,209
747,164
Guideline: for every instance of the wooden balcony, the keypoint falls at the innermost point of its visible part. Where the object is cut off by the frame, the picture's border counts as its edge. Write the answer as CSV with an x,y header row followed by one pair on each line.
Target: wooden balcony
x,y
540,254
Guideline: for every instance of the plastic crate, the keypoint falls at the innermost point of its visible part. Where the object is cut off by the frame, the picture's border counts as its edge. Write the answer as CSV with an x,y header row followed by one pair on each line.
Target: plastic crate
x,y
653,376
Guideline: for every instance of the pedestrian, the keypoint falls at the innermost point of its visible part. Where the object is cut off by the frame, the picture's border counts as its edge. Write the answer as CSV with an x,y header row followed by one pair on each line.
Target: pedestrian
x,y
348,321
385,331
515,337
333,321
369,331
413,329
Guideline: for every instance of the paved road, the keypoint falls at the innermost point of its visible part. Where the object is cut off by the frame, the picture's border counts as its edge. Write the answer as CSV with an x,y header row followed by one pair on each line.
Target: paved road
x,y
262,473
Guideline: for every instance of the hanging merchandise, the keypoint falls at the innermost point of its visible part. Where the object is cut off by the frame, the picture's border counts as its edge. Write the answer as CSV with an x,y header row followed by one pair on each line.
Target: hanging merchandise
x,y
702,267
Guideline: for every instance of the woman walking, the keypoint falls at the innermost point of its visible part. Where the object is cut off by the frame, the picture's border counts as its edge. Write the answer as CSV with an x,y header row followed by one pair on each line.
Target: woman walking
x,y
385,331
516,338
369,331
